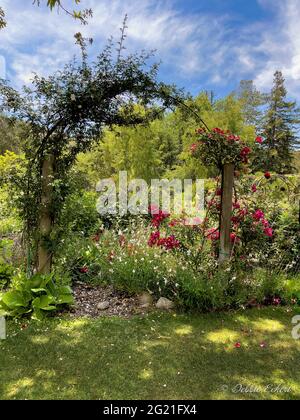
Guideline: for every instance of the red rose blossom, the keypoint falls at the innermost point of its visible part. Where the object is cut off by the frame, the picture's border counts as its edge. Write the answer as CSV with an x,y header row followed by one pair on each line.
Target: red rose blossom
x,y
258,215
269,232
254,188
267,175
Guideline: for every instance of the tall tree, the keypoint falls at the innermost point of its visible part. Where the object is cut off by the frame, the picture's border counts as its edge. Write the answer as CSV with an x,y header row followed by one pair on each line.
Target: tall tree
x,y
279,129
251,102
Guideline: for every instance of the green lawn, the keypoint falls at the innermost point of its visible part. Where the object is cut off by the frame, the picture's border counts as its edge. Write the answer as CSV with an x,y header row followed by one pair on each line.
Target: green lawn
x,y
161,356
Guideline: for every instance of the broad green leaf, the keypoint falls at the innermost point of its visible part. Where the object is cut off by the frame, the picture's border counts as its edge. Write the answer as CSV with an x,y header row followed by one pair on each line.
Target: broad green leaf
x,y
14,299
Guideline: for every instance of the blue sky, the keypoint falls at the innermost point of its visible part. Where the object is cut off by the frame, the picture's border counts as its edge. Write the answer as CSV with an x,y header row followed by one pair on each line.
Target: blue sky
x,y
203,44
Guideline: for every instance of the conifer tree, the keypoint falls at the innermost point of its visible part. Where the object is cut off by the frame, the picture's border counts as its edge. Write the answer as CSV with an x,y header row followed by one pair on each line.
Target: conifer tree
x,y
279,129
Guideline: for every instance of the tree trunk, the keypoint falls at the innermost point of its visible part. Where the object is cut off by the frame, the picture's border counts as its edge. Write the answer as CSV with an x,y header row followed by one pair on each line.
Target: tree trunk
x,y
226,212
45,218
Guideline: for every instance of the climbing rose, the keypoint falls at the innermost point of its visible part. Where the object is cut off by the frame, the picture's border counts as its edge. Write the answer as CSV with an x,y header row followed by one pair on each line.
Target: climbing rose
x,y
259,140
245,154
254,188
265,223
169,242
243,213
154,238
218,131
213,234
159,218
267,175
258,215
234,238
269,232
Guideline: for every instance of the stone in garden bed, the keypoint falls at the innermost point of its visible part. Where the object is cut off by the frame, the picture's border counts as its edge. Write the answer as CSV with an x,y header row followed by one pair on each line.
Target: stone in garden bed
x,y
165,304
145,299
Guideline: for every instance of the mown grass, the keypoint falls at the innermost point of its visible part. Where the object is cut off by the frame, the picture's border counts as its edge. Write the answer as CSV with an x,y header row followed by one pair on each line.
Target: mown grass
x,y
160,356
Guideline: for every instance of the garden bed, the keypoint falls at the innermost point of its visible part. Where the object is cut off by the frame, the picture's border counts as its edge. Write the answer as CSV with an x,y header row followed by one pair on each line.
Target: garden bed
x,y
91,301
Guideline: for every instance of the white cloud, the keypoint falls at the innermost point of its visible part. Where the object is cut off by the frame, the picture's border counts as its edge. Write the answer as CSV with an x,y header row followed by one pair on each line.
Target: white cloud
x,y
193,47
282,46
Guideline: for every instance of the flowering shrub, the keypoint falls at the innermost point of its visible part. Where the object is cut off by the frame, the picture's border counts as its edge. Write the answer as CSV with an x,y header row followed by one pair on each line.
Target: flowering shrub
x,y
218,147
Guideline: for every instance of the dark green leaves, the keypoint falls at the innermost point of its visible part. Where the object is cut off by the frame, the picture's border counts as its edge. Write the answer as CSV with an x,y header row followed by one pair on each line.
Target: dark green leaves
x,y
37,296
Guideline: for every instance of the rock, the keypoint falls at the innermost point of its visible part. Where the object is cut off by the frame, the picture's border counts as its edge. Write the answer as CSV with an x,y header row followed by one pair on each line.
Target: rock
x,y
103,305
165,304
145,299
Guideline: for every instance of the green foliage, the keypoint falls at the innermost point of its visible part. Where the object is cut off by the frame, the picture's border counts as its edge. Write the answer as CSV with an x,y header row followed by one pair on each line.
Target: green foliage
x,y
12,168
296,162
161,148
36,297
6,273
292,290
286,249
10,135
79,214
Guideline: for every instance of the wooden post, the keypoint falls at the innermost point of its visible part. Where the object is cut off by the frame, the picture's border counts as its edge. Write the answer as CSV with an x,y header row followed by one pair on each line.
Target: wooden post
x,y
45,218
226,212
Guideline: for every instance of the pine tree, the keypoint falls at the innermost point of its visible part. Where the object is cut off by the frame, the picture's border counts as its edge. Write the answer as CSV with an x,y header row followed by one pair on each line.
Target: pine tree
x,y
279,129
252,102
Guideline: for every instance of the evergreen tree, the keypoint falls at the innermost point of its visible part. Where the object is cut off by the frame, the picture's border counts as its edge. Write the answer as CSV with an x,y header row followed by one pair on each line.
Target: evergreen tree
x,y
279,129
251,101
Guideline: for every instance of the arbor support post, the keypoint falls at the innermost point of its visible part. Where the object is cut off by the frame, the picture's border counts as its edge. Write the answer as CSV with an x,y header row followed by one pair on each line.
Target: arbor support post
x,y
45,216
226,212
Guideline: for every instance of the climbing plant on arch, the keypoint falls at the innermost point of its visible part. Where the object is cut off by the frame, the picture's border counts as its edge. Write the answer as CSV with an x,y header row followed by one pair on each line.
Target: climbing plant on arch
x,y
228,153
63,115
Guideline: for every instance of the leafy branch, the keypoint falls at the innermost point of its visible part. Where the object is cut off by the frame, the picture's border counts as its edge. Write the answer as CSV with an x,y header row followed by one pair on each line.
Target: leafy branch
x,y
82,15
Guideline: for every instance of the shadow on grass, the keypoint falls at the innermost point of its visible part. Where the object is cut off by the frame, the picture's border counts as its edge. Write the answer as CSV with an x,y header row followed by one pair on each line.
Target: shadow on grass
x,y
162,356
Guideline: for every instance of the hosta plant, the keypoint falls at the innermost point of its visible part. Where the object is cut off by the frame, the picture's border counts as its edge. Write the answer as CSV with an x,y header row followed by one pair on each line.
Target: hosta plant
x,y
35,297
